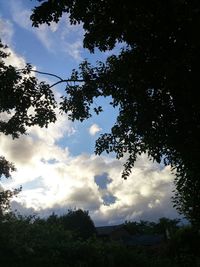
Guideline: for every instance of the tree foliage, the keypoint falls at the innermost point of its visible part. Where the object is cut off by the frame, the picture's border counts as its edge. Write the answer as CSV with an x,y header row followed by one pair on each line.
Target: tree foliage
x,y
6,168
163,226
77,221
153,81
24,102
32,241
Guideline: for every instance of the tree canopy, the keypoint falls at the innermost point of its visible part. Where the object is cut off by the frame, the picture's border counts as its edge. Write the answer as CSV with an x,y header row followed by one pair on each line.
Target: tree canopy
x,y
24,102
6,168
153,82
32,241
146,227
77,221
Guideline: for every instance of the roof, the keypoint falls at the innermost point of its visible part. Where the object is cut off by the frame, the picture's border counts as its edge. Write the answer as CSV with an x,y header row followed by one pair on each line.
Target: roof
x,y
134,240
144,240
107,230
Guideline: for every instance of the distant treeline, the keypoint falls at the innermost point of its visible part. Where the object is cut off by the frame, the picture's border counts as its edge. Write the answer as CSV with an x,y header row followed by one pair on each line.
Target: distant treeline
x,y
71,240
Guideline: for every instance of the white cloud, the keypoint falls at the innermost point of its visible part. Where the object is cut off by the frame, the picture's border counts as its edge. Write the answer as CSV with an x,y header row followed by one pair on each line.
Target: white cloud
x,y
58,37
6,31
44,35
55,131
67,181
94,129
74,49
14,59
20,15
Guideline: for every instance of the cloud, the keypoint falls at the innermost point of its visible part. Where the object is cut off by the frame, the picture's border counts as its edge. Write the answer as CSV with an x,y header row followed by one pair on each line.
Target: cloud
x,y
74,49
85,197
14,59
94,129
55,180
58,37
6,31
55,131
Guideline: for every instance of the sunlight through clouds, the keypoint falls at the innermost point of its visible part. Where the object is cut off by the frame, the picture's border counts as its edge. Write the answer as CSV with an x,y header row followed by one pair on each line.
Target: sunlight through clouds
x,y
68,181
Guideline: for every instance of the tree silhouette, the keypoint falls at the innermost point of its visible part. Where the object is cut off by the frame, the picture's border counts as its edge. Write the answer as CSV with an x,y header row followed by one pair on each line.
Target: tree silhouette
x,y
5,195
24,102
153,82
79,221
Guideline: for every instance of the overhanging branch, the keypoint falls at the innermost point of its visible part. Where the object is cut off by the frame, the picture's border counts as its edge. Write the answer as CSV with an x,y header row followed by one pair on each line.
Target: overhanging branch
x,y
55,76
65,81
47,73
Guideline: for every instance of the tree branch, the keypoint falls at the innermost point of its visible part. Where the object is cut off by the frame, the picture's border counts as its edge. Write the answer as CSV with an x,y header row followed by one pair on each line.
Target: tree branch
x,y
47,73
65,81
53,75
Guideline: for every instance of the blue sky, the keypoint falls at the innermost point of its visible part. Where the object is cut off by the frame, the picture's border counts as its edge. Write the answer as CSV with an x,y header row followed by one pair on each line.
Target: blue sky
x,y
57,167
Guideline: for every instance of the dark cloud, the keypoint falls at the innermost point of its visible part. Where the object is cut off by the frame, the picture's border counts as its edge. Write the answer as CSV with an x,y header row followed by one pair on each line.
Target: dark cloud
x,y
21,150
84,198
19,208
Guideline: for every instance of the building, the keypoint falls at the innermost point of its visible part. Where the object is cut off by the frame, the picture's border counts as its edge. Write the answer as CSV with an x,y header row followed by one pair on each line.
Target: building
x,y
119,233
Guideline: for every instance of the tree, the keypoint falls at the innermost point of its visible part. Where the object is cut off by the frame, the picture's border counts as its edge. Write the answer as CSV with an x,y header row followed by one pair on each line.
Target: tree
x,y
167,226
5,195
78,221
163,226
24,102
153,82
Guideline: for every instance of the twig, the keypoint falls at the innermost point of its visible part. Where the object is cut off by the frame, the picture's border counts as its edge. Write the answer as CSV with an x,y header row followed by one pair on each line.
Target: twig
x,y
47,73
53,75
65,81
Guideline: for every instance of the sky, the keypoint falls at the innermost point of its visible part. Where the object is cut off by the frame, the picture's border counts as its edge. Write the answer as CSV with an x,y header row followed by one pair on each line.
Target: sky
x,y
57,167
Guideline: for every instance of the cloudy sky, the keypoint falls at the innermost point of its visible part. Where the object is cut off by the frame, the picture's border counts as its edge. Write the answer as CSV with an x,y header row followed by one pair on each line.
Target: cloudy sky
x,y
56,166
